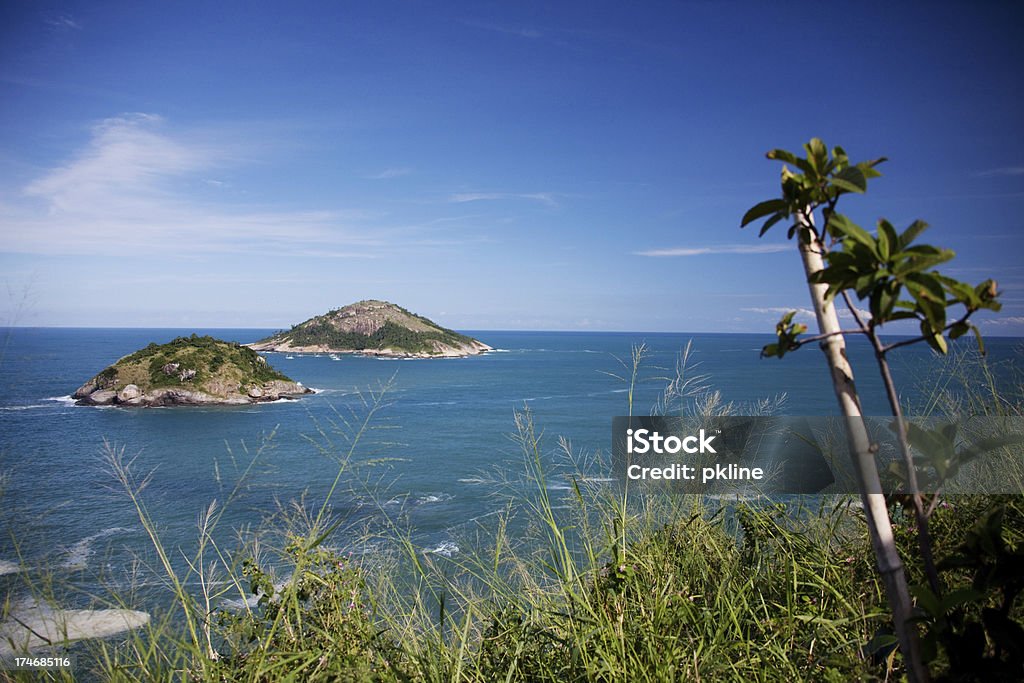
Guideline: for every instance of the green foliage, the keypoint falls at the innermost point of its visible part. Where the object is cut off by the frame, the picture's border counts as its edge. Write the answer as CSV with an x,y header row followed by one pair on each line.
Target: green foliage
x,y
896,276
787,332
316,625
207,356
693,600
941,451
391,335
975,629
900,281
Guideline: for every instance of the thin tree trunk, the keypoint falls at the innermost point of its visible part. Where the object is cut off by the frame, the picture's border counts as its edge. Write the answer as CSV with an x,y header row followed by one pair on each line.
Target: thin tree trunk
x,y
879,524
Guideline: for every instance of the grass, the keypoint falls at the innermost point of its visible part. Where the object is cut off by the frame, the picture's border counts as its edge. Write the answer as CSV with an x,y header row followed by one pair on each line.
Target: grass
x,y
598,585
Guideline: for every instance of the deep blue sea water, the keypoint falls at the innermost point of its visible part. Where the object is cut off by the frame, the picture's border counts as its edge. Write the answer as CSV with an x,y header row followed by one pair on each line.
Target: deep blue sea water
x,y
444,427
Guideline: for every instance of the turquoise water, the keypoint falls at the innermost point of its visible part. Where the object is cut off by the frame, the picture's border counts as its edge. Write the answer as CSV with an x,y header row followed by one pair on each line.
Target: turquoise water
x,y
443,430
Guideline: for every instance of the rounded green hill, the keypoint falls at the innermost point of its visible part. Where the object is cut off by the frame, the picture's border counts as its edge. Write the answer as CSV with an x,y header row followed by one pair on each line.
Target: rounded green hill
x,y
189,371
373,328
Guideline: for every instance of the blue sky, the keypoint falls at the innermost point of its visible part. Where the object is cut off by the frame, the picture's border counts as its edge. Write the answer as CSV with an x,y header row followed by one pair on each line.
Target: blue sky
x,y
564,166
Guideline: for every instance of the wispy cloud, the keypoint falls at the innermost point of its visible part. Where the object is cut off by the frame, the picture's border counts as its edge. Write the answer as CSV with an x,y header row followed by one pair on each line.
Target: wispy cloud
x,y
780,310
63,22
1001,171
390,173
121,195
720,249
546,198
1008,320
507,29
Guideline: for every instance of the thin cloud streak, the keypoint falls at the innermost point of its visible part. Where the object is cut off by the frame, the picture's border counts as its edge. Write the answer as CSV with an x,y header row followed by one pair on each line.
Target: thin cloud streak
x,y
1002,171
117,197
519,31
721,249
389,173
780,310
546,198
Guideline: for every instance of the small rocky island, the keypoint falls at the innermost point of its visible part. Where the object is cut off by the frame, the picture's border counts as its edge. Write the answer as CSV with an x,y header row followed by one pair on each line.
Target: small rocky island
x,y
373,328
189,371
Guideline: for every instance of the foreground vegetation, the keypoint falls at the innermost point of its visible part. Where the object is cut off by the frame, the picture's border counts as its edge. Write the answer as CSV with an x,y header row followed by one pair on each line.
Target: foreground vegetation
x,y
597,585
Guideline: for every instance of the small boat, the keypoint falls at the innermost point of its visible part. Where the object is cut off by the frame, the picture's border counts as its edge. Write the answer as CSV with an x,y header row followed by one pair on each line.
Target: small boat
x,y
289,357
334,356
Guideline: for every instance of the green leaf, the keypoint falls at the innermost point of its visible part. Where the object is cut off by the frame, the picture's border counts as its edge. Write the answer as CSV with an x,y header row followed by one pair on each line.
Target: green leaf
x,y
841,226
764,208
769,223
887,239
977,335
958,330
817,154
883,300
839,155
868,167
931,284
927,600
782,155
938,342
911,233
850,179
962,292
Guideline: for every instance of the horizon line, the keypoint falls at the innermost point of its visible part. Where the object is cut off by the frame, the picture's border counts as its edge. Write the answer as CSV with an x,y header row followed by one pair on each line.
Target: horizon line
x,y
561,331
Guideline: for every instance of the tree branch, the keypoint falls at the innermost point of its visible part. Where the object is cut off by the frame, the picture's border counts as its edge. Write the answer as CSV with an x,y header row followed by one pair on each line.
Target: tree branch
x,y
914,340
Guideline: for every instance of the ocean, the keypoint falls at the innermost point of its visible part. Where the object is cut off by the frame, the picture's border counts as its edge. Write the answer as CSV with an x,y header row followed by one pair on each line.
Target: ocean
x,y
438,446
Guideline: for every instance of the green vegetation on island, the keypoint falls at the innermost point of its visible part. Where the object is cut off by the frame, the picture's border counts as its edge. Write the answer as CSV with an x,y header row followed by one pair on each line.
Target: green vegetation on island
x,y
375,328
188,370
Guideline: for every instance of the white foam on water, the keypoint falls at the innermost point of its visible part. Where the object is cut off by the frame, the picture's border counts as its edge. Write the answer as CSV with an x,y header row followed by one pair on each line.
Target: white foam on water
x,y
39,627
445,549
440,498
78,554
28,407
251,601
66,400
7,567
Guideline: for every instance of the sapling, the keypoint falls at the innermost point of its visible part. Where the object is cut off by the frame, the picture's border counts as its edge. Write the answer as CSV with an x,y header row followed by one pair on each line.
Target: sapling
x,y
898,280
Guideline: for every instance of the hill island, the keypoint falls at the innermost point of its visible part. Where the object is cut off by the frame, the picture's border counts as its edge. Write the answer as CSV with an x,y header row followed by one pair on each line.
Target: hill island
x,y
189,371
373,328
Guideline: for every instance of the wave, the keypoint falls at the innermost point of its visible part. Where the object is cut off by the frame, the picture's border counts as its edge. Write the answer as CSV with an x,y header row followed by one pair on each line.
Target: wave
x,y
78,554
36,628
474,480
251,601
440,498
7,567
445,549
66,400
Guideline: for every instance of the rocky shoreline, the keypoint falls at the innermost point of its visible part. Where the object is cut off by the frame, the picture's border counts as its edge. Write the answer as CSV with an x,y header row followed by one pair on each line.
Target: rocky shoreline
x,y
188,371
440,350
89,394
